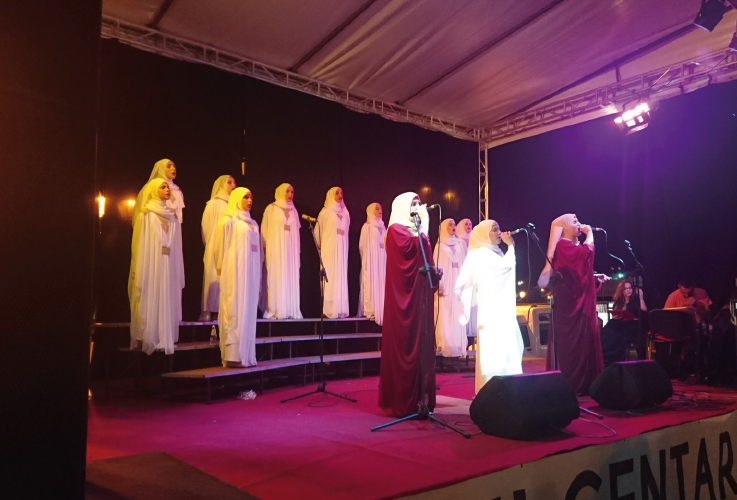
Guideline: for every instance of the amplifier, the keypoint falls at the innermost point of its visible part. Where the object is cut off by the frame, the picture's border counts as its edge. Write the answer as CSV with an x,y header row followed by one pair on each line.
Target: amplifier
x,y
534,323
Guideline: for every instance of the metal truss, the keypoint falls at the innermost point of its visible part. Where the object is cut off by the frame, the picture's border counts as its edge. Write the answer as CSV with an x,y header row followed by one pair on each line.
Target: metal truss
x,y
153,40
483,184
681,78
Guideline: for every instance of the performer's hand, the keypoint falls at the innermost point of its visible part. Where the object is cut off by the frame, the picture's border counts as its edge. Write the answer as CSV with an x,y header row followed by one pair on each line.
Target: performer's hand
x,y
507,238
585,229
441,292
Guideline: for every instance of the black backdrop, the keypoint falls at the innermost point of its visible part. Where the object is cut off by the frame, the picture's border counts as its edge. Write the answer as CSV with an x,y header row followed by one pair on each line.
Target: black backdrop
x,y
154,107
670,189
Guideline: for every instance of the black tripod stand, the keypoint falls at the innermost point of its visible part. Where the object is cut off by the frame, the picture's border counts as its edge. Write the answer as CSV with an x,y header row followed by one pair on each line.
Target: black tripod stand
x,y
552,338
323,280
423,411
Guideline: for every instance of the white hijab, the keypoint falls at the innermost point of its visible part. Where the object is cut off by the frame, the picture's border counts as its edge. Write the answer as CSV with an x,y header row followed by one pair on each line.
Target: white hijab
x,y
461,233
333,205
560,227
401,207
373,220
176,202
234,205
220,188
444,238
480,238
153,202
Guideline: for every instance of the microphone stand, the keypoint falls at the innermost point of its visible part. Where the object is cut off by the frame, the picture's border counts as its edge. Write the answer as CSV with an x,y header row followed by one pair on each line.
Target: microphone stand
x,y
553,337
323,280
423,411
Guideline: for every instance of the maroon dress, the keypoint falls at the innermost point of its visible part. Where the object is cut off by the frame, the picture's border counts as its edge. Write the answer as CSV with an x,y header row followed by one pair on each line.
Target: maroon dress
x,y
576,324
399,382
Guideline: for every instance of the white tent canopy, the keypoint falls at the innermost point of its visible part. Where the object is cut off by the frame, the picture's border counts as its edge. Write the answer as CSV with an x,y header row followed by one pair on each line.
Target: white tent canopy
x,y
484,70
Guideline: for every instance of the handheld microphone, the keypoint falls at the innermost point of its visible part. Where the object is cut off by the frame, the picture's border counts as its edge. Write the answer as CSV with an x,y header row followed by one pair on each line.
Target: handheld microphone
x,y
309,219
512,233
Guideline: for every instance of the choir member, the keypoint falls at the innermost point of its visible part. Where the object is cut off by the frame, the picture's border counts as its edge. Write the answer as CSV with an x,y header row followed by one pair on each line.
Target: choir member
x,y
157,271
373,265
487,279
463,231
214,211
402,333
238,260
331,233
280,242
576,343
450,336
166,170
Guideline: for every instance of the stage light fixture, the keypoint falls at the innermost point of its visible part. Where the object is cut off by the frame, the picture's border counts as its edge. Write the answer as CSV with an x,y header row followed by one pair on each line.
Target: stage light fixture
x,y
522,294
710,14
633,120
100,205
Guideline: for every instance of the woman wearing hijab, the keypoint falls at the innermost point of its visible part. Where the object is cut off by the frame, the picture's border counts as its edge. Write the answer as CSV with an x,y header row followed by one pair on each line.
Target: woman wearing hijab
x,y
166,170
402,342
373,265
450,336
238,260
333,222
214,211
280,241
576,343
487,279
157,272
463,231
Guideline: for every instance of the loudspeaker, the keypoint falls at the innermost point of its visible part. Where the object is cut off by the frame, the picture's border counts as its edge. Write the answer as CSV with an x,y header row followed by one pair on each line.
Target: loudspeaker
x,y
524,406
632,385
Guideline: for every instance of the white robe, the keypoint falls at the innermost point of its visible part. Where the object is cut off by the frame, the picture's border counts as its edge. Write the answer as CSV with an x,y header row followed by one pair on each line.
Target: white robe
x,y
214,211
451,337
238,259
280,241
155,288
373,273
332,236
492,279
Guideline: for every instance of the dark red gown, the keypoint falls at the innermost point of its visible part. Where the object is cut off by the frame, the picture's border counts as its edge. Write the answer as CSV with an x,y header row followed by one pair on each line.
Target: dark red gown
x,y
399,383
576,324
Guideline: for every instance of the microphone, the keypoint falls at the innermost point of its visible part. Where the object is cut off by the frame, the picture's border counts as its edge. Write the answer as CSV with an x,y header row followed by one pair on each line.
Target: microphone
x,y
598,229
512,233
433,206
309,219
531,225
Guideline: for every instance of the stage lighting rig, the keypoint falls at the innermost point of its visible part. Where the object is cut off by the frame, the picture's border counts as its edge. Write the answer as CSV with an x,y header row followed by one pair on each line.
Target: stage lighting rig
x,y
633,120
710,14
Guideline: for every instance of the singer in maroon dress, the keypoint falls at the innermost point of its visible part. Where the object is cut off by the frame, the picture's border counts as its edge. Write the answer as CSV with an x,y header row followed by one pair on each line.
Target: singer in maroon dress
x,y
577,339
400,378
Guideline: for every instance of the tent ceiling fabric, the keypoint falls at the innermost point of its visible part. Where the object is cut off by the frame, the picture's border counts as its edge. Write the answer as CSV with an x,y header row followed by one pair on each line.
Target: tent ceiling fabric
x,y
470,62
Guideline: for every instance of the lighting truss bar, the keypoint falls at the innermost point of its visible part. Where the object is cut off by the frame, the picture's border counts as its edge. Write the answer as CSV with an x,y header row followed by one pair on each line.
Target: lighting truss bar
x,y
483,185
681,78
153,40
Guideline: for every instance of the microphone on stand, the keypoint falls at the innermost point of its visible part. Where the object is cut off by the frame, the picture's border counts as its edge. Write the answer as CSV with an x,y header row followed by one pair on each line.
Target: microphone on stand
x,y
309,219
433,206
598,229
512,233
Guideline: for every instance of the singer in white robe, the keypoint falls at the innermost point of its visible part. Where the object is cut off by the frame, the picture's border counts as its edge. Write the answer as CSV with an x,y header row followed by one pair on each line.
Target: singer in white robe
x,y
280,242
488,279
214,211
238,259
166,170
331,232
156,274
373,265
463,232
451,338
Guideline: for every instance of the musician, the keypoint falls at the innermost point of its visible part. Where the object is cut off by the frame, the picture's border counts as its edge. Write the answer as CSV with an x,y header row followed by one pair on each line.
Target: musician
x,y
625,327
688,295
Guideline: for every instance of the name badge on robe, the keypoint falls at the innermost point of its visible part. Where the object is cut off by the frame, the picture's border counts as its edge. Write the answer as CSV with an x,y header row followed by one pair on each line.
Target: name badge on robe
x,y
381,245
455,265
287,227
339,216
340,232
254,248
164,250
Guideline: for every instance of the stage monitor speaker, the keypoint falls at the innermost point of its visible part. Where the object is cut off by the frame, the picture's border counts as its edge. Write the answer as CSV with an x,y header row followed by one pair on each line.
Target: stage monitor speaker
x,y
632,385
524,406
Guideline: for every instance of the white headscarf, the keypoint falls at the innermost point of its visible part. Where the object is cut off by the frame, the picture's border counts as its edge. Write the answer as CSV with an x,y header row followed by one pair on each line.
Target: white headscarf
x,y
176,202
401,207
445,238
153,202
234,205
373,220
220,188
561,226
280,197
333,205
480,238
461,233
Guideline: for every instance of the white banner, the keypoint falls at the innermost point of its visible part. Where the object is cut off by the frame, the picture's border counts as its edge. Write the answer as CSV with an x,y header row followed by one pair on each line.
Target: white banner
x,y
692,461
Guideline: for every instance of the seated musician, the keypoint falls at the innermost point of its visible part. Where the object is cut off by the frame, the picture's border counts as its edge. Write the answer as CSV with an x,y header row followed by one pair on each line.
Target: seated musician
x,y
624,329
688,295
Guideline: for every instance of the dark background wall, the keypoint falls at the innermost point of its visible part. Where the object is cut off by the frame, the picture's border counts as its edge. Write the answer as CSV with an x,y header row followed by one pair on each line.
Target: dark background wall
x,y
48,70
669,189
153,107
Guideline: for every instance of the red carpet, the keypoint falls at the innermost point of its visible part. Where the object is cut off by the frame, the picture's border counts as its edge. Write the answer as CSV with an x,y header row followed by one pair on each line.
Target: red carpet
x,y
321,447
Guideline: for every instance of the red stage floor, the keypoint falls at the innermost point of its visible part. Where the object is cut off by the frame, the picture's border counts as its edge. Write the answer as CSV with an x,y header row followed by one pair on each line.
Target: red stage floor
x,y
321,447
